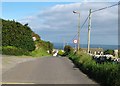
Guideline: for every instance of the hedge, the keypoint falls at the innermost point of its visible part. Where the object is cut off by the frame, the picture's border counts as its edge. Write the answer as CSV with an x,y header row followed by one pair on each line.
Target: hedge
x,y
107,74
11,50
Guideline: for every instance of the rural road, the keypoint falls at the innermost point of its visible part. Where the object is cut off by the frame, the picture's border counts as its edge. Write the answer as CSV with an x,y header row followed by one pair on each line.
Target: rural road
x,y
48,70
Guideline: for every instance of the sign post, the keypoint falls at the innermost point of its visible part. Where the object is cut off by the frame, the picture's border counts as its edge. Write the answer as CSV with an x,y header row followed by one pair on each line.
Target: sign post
x,y
75,42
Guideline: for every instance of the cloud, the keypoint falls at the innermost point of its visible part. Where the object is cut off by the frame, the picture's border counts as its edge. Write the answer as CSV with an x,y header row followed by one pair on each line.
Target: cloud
x,y
59,22
100,0
59,0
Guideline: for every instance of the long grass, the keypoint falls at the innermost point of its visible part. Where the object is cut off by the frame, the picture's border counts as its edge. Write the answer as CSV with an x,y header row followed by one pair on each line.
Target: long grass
x,y
39,53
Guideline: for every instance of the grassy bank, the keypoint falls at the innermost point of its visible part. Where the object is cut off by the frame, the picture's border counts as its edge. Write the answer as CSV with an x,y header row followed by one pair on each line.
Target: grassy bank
x,y
14,51
39,53
107,74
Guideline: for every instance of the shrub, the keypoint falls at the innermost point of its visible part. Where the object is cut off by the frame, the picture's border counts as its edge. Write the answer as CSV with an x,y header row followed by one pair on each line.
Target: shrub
x,y
68,49
61,52
11,50
107,74
109,52
118,53
18,35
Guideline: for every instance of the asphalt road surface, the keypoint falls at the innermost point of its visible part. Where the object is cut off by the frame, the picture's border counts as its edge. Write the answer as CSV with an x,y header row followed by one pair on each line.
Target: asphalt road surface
x,y
48,70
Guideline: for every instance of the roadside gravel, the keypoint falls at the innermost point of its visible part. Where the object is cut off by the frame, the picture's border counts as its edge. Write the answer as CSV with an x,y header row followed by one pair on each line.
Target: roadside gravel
x,y
11,61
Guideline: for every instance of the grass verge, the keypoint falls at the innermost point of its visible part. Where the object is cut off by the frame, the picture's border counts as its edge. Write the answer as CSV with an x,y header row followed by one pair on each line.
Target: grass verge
x,y
39,53
14,51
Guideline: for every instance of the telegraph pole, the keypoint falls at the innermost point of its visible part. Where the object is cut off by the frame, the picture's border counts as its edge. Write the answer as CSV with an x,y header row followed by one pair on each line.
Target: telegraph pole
x,y
89,28
79,32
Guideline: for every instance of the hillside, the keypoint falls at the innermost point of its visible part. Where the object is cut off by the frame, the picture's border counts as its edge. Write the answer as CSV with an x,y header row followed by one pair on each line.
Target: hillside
x,y
18,39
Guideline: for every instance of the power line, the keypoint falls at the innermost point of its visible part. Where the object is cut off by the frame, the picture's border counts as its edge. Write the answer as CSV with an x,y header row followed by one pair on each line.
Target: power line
x,y
73,37
93,12
81,27
85,21
89,25
106,7
98,10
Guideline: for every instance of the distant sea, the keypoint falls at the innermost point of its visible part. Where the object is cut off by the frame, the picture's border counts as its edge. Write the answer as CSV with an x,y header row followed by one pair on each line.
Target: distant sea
x,y
105,47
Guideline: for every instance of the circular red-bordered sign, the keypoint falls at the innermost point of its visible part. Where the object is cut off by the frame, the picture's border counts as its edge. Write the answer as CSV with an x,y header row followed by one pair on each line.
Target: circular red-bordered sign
x,y
75,41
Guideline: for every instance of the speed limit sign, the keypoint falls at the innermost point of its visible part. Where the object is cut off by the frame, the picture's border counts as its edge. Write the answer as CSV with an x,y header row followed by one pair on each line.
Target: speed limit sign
x,y
75,41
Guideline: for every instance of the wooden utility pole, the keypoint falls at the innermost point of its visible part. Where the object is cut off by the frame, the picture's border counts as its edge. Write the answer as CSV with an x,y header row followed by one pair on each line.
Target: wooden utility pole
x,y
89,28
79,32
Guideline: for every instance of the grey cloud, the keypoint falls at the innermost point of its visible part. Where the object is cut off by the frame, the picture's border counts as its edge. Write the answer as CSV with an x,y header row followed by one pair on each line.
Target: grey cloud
x,y
59,20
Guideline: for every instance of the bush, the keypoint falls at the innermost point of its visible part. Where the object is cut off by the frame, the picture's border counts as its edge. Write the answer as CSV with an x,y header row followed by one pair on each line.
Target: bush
x,y
61,52
109,52
46,45
118,53
107,74
68,49
18,35
49,46
11,50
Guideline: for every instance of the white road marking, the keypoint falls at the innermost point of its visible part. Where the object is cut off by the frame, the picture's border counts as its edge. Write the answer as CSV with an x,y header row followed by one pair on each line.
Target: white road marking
x,y
15,83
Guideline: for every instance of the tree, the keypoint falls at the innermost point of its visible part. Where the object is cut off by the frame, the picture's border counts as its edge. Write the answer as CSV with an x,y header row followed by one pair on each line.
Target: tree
x,y
26,24
68,49
18,35
50,46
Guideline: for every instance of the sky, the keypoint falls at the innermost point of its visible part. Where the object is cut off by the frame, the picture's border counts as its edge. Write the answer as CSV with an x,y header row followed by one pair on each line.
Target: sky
x,y
55,22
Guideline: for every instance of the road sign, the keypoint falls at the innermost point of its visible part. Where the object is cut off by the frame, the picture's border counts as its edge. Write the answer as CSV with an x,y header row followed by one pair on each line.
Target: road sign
x,y
75,41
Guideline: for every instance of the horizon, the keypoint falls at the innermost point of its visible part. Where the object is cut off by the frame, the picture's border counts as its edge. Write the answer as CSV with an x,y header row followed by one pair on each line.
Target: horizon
x,y
104,47
86,44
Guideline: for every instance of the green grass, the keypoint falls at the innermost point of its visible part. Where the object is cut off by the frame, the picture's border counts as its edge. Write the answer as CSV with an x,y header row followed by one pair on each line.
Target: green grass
x,y
14,51
39,52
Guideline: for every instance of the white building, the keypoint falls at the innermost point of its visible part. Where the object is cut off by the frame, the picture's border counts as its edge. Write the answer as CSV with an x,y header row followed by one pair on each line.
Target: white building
x,y
55,52
116,53
34,38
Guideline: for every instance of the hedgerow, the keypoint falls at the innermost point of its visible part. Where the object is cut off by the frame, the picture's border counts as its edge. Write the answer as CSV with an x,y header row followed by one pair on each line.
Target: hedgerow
x,y
107,74
11,50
